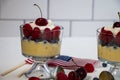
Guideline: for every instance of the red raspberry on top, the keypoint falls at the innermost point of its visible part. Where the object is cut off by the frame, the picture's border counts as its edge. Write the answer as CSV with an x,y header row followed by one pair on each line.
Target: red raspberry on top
x,y
56,32
36,33
117,38
106,36
27,30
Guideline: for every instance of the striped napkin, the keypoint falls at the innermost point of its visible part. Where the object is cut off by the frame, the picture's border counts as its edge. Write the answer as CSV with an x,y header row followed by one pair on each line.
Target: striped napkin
x,y
68,62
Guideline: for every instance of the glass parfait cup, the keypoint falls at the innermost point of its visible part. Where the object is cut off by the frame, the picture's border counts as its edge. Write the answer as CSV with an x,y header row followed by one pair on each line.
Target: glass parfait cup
x,y
46,46
109,51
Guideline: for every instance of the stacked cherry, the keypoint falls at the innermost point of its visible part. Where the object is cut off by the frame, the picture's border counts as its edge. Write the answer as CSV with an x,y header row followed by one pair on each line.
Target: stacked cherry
x,y
78,74
37,34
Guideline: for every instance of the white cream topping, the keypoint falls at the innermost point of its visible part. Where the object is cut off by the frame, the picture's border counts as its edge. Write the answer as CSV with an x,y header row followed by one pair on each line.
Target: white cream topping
x,y
113,30
50,25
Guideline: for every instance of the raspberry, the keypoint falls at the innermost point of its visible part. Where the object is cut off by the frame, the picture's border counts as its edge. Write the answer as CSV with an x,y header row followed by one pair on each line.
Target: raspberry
x,y
117,38
33,78
41,22
47,34
36,33
27,30
56,32
61,76
106,36
89,67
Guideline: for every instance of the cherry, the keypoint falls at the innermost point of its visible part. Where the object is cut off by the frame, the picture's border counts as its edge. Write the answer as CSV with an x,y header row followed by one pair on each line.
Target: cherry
x,y
33,78
41,22
56,32
47,34
27,30
36,33
81,72
116,24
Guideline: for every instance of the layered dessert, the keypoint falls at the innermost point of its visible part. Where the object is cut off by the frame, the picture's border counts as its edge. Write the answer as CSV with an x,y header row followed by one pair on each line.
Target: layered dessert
x,y
109,43
41,38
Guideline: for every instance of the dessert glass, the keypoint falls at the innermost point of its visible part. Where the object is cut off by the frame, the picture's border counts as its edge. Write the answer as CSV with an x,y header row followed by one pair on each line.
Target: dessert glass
x,y
40,51
109,52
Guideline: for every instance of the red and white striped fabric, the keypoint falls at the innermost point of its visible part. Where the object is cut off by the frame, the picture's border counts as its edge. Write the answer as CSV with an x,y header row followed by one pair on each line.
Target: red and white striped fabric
x,y
74,63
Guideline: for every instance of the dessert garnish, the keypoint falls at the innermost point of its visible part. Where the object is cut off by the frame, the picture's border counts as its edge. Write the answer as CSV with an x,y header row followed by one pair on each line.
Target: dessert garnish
x,y
82,73
89,67
34,78
40,21
104,64
105,36
105,75
117,24
61,76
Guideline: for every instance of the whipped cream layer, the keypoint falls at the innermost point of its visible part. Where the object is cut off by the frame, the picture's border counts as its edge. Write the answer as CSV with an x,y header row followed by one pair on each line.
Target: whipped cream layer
x,y
50,25
113,30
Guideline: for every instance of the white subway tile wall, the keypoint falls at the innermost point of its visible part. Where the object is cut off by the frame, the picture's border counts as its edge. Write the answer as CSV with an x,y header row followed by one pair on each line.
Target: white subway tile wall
x,y
80,18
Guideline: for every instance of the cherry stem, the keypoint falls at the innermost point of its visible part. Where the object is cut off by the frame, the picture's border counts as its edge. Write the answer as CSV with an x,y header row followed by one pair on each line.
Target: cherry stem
x,y
119,15
39,9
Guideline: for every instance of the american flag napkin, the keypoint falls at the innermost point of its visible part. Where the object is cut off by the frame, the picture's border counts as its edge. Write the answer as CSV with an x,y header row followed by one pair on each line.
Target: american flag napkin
x,y
68,62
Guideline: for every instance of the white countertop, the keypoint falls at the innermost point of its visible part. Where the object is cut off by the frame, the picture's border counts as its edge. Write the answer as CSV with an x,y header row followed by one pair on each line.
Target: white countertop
x,y
10,52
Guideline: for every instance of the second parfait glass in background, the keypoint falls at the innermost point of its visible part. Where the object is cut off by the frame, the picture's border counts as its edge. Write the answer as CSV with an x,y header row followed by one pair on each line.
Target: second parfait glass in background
x,y
109,50
41,45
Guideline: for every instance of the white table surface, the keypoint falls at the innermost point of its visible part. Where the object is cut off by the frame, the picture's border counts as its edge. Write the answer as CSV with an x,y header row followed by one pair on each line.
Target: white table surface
x,y
10,53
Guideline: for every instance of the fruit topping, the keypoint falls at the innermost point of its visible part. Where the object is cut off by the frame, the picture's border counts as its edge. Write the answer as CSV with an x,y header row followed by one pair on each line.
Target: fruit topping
x,y
56,32
82,73
33,78
36,33
41,22
73,76
104,64
95,78
61,76
117,38
106,36
89,67
27,30
47,34
117,24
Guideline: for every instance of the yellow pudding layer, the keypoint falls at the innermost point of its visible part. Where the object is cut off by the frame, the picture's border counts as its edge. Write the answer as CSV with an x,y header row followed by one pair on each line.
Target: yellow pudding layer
x,y
109,53
40,49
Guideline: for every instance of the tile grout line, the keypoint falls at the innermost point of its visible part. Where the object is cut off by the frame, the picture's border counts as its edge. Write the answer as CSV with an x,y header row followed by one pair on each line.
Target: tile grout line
x,y
70,30
48,9
93,9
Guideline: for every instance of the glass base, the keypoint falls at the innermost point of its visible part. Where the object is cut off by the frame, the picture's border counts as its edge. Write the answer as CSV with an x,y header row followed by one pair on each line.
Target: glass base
x,y
115,71
39,70
114,68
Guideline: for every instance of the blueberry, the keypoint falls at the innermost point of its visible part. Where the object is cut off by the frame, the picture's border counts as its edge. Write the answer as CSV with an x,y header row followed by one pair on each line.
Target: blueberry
x,y
104,64
95,78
